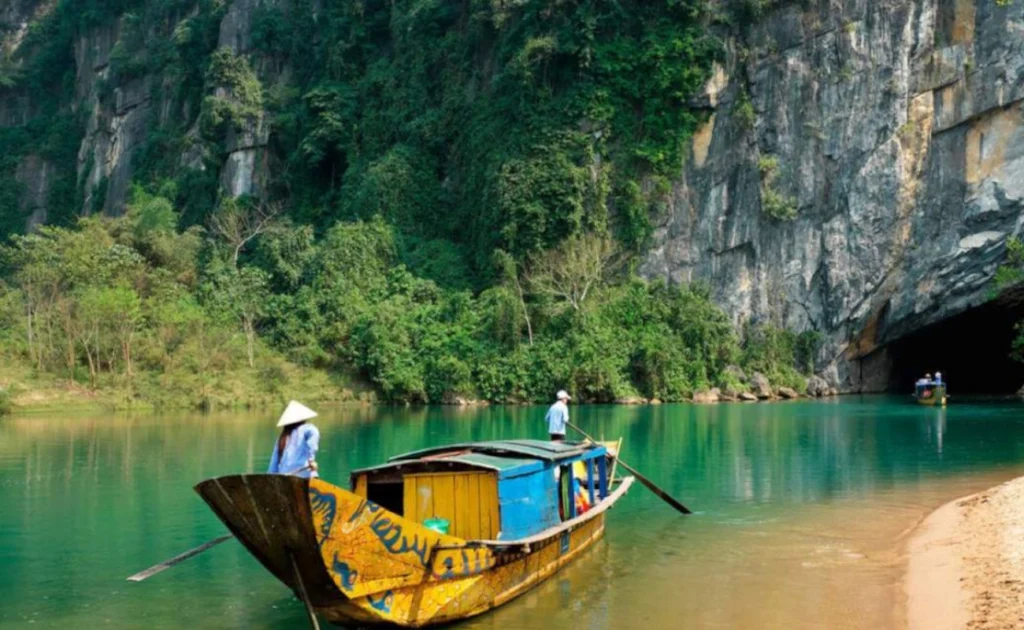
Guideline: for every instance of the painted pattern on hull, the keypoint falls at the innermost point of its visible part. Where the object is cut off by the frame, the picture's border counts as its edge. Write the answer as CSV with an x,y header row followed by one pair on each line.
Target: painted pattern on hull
x,y
393,570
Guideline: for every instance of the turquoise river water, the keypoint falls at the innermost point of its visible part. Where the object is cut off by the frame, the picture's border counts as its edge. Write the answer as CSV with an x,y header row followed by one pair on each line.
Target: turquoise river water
x,y
803,511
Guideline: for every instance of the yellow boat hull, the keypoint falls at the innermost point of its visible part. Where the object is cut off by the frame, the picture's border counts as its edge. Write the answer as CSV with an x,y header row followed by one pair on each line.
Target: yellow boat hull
x,y
361,564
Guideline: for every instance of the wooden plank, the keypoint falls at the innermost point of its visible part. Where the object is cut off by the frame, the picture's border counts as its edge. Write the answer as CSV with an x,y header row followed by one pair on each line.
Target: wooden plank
x,y
484,499
490,523
410,503
444,497
462,525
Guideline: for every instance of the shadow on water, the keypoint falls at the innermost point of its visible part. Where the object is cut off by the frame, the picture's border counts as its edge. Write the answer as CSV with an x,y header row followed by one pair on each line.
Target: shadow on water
x,y
800,506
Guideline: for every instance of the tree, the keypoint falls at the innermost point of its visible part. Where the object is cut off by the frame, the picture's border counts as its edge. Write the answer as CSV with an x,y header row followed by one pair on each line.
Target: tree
x,y
243,294
572,270
238,223
510,274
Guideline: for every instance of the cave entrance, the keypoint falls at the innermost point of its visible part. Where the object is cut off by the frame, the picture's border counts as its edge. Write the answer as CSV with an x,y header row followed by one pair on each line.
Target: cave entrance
x,y
972,350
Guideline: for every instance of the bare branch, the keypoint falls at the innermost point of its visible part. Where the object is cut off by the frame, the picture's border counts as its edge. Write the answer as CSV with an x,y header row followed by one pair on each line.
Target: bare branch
x,y
569,272
239,225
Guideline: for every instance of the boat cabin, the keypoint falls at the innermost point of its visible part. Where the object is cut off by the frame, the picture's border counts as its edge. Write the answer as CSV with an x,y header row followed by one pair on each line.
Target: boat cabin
x,y
503,490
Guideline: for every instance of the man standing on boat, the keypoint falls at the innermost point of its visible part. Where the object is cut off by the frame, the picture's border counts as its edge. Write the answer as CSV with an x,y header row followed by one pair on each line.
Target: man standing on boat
x,y
558,416
295,450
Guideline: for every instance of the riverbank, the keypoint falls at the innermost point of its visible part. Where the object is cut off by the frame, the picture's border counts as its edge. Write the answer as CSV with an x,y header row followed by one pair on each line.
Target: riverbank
x,y
966,563
25,391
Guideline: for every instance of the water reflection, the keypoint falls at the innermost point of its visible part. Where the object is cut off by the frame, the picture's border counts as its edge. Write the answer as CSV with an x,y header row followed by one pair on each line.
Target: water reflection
x,y
798,504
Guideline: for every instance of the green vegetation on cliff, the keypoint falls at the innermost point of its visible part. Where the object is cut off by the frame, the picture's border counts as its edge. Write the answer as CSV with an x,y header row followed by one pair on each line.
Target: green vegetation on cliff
x,y
452,199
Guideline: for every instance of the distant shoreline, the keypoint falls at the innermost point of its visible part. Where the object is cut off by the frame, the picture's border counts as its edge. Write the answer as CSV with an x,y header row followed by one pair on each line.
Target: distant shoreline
x,y
965,565
97,401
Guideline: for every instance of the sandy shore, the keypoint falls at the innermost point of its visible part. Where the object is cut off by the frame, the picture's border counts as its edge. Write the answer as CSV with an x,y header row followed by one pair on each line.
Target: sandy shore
x,y
966,563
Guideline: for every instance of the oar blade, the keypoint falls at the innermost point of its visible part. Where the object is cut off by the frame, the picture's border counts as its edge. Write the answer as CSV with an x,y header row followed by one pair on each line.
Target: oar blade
x,y
167,564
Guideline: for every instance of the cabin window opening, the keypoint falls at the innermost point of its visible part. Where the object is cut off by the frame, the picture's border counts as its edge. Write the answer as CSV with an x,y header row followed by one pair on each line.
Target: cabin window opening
x,y
388,495
566,493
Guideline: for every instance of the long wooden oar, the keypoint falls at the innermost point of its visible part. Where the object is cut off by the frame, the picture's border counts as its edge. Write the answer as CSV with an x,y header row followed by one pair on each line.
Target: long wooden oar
x,y
181,557
666,497
167,564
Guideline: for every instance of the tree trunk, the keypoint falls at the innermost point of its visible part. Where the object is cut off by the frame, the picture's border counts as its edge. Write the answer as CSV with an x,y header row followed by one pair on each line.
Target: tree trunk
x,y
126,354
92,367
526,312
250,339
31,337
71,360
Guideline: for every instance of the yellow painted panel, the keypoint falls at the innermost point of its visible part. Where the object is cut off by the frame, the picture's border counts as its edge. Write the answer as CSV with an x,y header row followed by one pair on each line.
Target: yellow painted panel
x,y
418,499
490,524
464,523
467,500
444,500
409,495
361,486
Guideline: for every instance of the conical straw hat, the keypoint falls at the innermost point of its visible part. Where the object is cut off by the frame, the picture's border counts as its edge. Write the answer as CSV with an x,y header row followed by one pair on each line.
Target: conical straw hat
x,y
295,412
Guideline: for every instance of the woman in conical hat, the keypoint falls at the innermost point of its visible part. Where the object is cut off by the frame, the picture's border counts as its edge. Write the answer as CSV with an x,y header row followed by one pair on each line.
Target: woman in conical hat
x,y
295,450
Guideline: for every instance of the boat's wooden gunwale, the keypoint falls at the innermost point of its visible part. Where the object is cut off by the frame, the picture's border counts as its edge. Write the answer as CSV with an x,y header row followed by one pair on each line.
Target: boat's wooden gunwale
x,y
604,505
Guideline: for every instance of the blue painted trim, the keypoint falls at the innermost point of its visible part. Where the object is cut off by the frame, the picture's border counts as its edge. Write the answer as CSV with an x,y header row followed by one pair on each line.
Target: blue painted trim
x,y
602,476
527,504
590,481
567,470
525,469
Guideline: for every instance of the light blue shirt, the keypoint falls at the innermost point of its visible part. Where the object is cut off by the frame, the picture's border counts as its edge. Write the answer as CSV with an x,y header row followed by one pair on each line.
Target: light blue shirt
x,y
557,416
300,448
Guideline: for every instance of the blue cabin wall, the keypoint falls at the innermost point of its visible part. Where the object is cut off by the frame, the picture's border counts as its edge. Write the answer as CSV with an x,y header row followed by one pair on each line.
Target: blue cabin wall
x,y
528,504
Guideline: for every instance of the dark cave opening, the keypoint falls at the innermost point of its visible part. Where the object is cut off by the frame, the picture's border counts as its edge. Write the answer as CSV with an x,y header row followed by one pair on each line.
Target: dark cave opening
x,y
972,350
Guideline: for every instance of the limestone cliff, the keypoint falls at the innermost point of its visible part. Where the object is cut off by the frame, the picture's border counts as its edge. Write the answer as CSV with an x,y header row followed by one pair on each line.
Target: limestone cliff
x,y
897,129
118,112
893,128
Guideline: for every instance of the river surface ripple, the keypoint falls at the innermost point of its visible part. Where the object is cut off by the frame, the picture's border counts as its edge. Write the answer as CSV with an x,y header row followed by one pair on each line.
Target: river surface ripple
x,y
802,511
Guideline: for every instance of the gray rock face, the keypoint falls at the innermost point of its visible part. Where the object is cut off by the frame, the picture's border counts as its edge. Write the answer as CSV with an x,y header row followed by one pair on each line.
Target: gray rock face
x,y
788,393
898,131
817,387
117,125
34,174
735,372
760,386
709,396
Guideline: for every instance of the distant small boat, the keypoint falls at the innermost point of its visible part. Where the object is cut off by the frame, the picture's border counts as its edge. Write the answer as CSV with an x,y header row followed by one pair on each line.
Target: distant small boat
x,y
930,394
429,537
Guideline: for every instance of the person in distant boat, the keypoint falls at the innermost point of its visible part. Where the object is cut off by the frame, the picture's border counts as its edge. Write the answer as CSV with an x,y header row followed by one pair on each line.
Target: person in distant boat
x,y
295,450
938,378
558,416
921,382
928,378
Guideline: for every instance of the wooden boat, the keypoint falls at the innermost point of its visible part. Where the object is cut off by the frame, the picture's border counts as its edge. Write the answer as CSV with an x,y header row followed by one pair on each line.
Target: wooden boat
x,y
364,556
930,394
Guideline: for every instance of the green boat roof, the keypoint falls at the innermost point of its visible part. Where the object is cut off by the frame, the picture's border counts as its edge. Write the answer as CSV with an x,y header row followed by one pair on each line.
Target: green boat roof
x,y
510,458
530,449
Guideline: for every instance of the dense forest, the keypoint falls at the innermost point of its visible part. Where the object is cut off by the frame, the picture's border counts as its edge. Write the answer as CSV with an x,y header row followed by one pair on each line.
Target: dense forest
x,y
453,205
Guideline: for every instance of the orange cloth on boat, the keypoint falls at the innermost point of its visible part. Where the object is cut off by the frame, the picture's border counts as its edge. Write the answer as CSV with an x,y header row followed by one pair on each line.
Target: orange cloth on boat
x,y
582,500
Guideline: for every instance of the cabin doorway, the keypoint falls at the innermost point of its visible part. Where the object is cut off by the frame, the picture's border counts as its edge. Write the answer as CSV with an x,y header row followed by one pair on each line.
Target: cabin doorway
x,y
389,495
